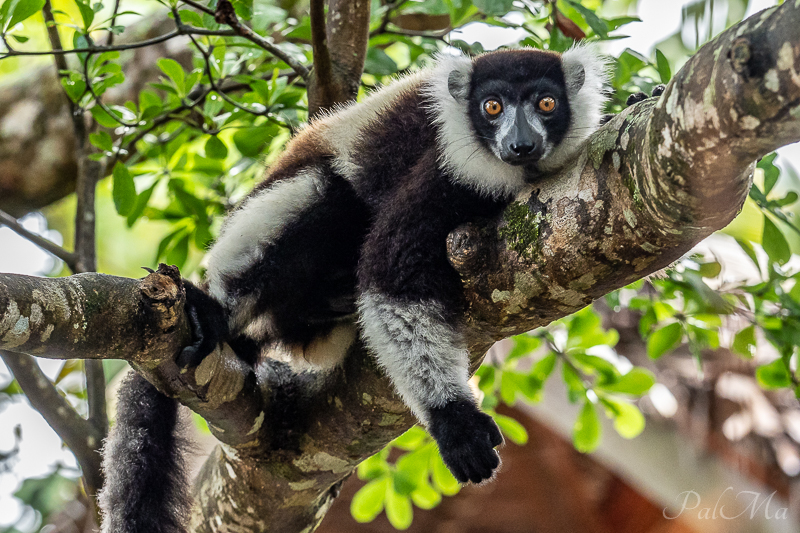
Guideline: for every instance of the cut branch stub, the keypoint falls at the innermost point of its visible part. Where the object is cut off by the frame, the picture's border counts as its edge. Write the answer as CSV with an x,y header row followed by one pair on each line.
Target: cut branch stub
x,y
86,316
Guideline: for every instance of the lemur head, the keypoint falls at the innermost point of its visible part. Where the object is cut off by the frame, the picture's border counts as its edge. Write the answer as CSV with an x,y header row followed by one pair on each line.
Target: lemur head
x,y
509,115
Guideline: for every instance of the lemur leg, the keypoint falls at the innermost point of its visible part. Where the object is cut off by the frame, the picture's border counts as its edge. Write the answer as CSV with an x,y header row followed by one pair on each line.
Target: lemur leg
x,y
427,362
411,305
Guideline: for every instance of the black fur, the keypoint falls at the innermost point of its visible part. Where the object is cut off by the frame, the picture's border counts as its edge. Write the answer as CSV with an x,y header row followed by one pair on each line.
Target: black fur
x,y
209,326
405,254
306,279
466,438
145,489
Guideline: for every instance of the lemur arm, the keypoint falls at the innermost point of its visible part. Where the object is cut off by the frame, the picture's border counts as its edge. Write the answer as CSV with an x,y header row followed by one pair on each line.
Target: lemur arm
x,y
411,305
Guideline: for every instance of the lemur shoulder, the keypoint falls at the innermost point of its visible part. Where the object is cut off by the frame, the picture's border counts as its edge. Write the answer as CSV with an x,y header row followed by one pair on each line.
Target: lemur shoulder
x,y
347,234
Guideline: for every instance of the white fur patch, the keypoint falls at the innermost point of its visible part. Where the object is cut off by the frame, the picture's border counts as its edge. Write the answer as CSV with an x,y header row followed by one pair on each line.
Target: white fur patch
x,y
344,125
586,104
257,223
425,358
469,162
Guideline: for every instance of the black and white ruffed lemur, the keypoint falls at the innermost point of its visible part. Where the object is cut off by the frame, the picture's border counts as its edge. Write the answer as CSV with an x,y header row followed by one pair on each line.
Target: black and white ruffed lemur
x,y
348,232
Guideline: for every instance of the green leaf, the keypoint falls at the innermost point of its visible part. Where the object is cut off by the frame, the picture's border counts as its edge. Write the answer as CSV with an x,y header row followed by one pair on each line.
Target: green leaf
x,y
23,9
543,367
629,421
20,38
774,375
174,72
523,345
379,63
425,496
442,478
403,480
596,23
494,7
399,510
710,270
637,382
744,342
373,467
774,243
251,141
87,14
771,172
664,340
103,118
215,148
124,191
587,431
512,429
102,140
663,66
368,502
411,439
179,252
75,89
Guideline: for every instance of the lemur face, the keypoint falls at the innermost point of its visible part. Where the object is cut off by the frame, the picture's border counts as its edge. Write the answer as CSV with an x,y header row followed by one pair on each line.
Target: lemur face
x,y
518,104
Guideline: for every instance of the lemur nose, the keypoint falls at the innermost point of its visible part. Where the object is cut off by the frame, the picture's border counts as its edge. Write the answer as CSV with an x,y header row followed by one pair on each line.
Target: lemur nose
x,y
522,149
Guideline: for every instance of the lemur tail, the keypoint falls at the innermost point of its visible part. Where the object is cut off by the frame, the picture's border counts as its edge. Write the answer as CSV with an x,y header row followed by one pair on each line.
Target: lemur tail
x,y
146,490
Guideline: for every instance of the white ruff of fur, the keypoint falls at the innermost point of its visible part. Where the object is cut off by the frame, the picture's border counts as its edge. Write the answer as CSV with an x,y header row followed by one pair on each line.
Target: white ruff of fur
x,y
425,358
460,153
258,222
586,104
343,127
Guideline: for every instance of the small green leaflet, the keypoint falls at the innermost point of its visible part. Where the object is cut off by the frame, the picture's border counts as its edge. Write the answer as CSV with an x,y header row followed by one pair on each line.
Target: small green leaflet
x,y
124,191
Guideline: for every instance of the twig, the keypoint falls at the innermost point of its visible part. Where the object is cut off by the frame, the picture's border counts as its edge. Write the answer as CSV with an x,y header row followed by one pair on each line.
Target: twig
x,y
197,5
49,246
110,39
185,30
96,394
226,15
82,438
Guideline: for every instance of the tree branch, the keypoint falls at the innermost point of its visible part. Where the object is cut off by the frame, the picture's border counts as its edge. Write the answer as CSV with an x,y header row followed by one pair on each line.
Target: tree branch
x,y
225,14
341,43
82,438
41,242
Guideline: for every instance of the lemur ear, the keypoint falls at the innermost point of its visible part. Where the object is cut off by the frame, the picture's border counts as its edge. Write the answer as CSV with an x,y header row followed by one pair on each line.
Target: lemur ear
x,y
458,84
585,66
575,76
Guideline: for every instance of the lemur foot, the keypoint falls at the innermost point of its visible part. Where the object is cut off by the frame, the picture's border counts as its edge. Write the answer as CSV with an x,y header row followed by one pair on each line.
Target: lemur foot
x,y
466,438
208,323
635,98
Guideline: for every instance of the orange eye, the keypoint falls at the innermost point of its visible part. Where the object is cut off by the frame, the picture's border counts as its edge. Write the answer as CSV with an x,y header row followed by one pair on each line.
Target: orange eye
x,y
547,104
492,107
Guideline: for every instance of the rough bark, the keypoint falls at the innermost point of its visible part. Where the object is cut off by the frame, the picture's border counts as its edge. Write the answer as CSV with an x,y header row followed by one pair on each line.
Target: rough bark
x,y
647,187
340,49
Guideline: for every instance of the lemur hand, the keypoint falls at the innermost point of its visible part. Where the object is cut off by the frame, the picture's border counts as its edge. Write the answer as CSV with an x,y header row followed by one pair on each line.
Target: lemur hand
x,y
466,438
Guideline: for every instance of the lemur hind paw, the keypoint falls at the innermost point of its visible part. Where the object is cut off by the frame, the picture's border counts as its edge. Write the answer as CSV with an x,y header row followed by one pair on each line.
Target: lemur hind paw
x,y
466,438
208,324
